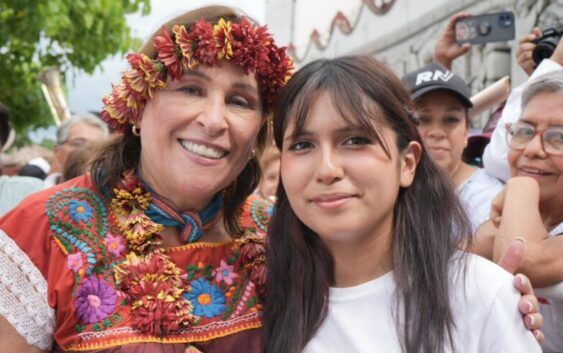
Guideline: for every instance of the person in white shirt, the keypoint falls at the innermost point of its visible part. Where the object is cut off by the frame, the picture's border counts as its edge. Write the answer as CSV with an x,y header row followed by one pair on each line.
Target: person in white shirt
x,y
364,247
442,104
495,156
13,189
532,204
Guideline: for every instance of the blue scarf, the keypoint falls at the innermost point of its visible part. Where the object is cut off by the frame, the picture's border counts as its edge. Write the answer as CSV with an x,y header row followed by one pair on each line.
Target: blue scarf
x,y
191,223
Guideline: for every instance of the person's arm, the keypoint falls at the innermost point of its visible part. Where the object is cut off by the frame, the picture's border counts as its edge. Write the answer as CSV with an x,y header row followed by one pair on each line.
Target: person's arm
x,y
495,156
11,341
516,213
27,320
447,49
511,261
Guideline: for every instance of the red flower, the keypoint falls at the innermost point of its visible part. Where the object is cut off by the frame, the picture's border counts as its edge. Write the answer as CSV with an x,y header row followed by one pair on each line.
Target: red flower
x,y
168,53
145,76
155,287
258,276
245,44
251,250
202,34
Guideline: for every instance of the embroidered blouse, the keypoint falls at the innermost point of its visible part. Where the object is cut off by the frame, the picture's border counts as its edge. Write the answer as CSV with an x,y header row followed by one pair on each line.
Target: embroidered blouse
x,y
58,287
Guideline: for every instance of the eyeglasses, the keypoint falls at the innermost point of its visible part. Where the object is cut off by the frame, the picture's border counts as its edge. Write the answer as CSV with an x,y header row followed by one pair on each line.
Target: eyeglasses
x,y
519,135
75,143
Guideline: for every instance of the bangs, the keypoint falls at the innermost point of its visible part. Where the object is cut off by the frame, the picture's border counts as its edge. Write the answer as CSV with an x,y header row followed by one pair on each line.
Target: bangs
x,y
348,98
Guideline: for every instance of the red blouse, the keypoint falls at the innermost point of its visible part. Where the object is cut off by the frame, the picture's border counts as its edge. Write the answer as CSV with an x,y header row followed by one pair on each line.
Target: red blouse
x,y
70,234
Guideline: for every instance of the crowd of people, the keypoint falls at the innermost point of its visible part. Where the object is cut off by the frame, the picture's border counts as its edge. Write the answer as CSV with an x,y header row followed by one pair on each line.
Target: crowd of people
x,y
226,202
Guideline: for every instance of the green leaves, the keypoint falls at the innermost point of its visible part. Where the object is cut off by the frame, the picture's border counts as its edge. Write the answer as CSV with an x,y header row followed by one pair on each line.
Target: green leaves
x,y
72,34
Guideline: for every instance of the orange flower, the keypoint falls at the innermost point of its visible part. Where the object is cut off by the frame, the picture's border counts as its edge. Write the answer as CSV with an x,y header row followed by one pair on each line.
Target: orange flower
x,y
187,45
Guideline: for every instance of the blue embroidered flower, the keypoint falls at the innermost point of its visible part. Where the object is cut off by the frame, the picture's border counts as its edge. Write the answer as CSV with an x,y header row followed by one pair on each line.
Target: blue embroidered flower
x,y
207,299
80,211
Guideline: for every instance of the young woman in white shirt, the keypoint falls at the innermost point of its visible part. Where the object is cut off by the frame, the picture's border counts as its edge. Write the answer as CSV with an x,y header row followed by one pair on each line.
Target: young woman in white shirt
x,y
365,248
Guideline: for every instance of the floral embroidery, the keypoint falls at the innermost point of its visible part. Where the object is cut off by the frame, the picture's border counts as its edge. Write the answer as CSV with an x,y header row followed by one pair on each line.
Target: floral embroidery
x,y
208,300
95,300
80,211
74,262
225,273
78,221
115,244
115,274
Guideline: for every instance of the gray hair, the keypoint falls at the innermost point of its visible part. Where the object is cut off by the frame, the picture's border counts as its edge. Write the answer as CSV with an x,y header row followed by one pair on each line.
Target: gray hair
x,y
551,82
90,119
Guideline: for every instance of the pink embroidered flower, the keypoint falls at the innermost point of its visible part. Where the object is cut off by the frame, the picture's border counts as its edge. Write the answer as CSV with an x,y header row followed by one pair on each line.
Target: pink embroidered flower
x,y
225,273
115,244
74,262
95,300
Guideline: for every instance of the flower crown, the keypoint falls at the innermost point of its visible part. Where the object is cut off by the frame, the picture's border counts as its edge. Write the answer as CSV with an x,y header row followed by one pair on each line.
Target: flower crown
x,y
244,44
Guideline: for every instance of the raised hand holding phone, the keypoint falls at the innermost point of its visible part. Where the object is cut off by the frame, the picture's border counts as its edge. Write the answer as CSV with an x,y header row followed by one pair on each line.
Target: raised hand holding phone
x,y
486,28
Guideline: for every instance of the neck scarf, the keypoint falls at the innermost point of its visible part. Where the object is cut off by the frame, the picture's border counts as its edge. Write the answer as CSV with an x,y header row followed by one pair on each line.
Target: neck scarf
x,y
191,223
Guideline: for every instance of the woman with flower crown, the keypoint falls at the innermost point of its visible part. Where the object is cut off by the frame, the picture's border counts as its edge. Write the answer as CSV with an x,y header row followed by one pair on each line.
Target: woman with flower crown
x,y
151,252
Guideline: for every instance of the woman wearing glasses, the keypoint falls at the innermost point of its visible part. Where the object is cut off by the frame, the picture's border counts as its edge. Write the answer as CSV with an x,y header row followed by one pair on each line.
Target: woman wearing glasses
x,y
531,205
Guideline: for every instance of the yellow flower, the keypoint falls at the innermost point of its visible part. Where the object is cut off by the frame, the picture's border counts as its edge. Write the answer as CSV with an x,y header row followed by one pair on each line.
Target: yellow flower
x,y
222,35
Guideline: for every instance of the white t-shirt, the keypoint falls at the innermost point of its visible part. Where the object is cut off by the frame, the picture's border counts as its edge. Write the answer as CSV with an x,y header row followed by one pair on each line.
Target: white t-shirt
x,y
477,194
553,316
13,189
360,318
495,156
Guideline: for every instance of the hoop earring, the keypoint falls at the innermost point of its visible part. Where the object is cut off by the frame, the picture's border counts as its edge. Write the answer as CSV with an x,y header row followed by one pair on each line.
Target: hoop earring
x,y
135,130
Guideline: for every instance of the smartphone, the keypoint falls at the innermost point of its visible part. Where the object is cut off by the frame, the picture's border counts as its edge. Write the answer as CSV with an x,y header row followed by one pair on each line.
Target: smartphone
x,y
487,28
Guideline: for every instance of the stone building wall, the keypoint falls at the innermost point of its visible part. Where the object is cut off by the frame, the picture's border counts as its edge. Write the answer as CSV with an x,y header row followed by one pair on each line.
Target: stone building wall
x,y
403,32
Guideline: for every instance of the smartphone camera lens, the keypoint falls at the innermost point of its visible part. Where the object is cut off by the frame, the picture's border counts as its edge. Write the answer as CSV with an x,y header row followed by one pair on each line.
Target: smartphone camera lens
x,y
484,28
505,20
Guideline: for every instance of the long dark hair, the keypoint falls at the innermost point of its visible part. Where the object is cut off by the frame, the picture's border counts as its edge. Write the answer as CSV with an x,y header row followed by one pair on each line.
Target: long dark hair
x,y
122,153
429,223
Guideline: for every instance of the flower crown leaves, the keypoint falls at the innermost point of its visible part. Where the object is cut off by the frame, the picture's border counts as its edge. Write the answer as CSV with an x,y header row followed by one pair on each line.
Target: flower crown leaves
x,y
245,44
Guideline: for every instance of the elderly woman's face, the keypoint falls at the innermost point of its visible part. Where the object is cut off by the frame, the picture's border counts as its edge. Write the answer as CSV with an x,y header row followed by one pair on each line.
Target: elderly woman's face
x,y
197,134
543,111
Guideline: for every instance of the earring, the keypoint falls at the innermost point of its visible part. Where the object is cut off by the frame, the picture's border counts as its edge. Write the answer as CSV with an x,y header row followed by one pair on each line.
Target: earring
x,y
253,153
135,130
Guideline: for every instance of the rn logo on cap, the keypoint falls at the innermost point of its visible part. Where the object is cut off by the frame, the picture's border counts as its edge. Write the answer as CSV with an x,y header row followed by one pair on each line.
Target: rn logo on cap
x,y
429,76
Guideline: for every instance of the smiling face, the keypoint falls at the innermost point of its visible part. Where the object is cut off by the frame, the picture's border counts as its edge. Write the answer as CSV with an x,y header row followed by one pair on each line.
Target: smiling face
x,y
543,111
443,127
339,181
197,134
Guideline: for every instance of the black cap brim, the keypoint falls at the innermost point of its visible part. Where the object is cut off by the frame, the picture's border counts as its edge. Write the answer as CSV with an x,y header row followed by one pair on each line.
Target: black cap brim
x,y
418,93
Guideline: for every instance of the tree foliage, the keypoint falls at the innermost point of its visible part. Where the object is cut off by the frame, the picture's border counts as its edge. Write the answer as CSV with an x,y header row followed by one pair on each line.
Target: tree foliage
x,y
72,34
